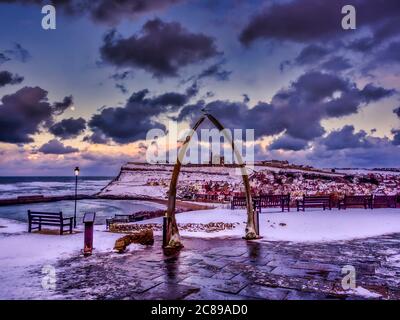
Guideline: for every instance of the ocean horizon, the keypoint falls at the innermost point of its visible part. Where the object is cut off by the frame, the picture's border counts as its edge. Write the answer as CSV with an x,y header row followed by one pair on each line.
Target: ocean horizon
x,y
12,187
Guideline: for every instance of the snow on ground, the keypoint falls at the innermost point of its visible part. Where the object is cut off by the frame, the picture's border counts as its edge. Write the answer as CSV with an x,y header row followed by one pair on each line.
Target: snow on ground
x,y
18,247
367,171
22,254
360,291
314,225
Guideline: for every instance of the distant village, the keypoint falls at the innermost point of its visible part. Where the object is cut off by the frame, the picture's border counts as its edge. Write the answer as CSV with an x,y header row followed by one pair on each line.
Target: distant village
x,y
219,182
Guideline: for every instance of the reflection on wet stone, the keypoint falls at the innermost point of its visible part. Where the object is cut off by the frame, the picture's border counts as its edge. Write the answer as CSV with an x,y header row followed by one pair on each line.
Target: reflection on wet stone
x,y
236,269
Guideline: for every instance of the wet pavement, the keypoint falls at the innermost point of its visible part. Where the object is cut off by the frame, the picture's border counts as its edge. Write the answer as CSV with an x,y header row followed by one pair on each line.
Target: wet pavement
x,y
236,269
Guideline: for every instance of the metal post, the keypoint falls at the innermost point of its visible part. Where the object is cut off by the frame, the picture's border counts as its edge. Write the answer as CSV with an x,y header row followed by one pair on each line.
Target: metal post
x,y
165,231
88,220
87,250
258,222
256,212
76,195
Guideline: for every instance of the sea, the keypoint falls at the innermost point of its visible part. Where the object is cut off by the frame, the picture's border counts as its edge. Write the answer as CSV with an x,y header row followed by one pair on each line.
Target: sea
x,y
12,187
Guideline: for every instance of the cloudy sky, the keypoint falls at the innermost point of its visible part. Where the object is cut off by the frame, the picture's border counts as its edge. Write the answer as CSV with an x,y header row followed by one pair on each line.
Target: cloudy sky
x,y
87,93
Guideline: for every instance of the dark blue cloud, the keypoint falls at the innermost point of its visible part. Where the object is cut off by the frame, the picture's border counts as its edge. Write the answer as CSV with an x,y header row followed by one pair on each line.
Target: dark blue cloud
x,y
103,11
336,64
56,147
297,110
24,113
131,122
161,48
317,20
7,77
397,111
286,142
68,128
346,138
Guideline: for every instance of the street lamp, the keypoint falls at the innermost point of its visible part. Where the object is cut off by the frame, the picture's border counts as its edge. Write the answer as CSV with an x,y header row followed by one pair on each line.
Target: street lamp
x,y
76,171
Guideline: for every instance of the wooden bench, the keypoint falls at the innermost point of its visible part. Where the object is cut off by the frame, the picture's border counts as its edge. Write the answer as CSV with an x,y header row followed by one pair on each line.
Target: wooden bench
x,y
356,201
115,220
129,217
273,200
314,201
48,219
384,201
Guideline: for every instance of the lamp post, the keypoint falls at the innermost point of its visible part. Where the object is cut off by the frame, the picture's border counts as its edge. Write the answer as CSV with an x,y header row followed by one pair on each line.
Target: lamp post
x,y
76,171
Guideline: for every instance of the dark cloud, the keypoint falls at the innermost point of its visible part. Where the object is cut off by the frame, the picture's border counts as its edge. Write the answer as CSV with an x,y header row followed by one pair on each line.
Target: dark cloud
x,y
97,137
373,93
314,86
56,147
347,148
60,107
346,138
68,128
397,111
389,54
246,98
120,76
17,53
318,56
160,48
23,113
7,77
131,122
103,11
3,58
311,54
385,56
364,44
121,87
318,20
297,110
336,64
396,137
383,31
286,142
112,11
351,99
215,71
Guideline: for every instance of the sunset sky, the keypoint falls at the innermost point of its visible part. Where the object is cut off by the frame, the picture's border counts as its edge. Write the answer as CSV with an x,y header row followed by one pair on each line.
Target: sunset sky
x,y
86,93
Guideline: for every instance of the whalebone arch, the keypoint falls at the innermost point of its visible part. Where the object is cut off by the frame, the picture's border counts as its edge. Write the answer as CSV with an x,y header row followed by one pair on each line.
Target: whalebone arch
x,y
172,238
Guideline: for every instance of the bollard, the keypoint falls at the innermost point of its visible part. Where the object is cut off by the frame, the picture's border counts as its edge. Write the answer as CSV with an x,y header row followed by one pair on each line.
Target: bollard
x,y
88,220
257,219
165,231
256,212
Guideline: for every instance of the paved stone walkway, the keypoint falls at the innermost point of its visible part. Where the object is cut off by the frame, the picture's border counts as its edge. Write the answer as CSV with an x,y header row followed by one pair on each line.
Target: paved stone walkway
x,y
236,269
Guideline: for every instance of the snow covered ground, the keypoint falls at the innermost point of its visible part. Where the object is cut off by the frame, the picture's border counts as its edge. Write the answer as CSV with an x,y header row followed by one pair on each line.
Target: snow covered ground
x,y
314,225
23,255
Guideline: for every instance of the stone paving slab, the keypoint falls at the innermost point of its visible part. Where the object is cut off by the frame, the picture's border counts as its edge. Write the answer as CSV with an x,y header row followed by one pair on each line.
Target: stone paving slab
x,y
169,291
260,292
235,269
228,286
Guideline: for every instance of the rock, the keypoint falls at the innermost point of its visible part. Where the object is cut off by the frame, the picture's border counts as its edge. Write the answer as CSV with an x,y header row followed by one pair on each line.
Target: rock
x,y
191,227
144,237
131,227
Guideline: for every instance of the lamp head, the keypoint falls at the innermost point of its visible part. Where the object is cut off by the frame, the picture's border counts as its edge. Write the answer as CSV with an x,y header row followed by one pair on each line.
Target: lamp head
x,y
76,171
